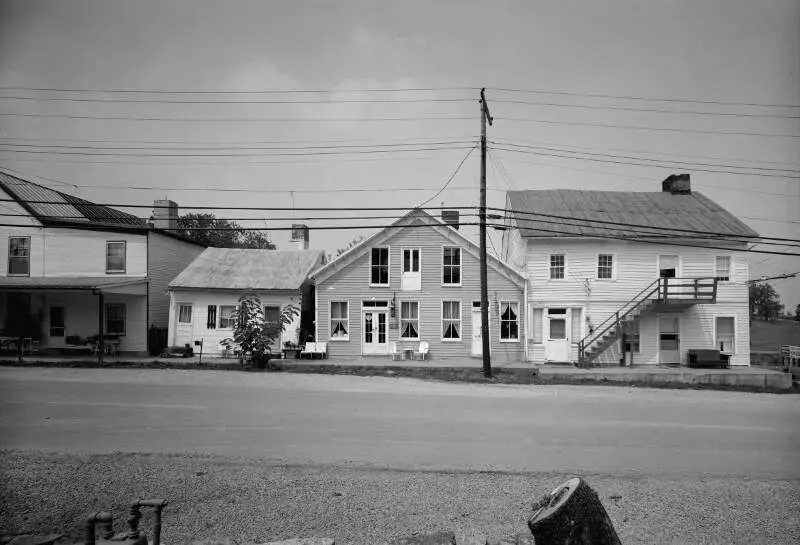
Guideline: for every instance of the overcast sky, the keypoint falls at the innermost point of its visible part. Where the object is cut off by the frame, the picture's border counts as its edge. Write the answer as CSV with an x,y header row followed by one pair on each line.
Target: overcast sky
x,y
713,51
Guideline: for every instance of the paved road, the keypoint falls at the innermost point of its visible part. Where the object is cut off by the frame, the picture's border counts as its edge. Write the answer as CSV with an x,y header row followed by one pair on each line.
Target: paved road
x,y
401,422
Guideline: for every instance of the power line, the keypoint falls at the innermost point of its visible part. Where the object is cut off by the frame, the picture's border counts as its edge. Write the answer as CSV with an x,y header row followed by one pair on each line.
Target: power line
x,y
240,120
234,155
234,102
615,156
642,128
450,179
236,92
647,110
777,277
648,99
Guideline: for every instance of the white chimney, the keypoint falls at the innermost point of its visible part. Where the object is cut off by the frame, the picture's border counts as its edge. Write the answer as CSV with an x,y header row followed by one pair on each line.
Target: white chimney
x,y
299,236
165,214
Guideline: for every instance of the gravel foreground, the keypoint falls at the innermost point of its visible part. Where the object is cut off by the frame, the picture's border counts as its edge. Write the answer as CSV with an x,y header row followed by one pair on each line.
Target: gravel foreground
x,y
255,501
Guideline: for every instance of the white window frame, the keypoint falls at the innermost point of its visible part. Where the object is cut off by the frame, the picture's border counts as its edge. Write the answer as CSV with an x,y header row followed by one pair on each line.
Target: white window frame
x,y
28,257
231,320
417,319
716,342
613,267
403,258
460,320
500,321
550,267
460,267
730,268
124,268
346,321
388,269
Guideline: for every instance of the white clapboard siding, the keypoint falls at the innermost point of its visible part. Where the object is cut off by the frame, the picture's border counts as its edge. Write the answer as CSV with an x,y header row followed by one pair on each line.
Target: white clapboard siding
x,y
351,284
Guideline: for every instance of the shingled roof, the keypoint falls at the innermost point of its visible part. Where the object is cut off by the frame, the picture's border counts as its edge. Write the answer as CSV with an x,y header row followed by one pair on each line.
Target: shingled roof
x,y
53,207
239,269
671,215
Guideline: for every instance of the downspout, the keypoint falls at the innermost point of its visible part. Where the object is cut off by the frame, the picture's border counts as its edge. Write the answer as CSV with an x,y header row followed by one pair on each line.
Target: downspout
x,y
527,319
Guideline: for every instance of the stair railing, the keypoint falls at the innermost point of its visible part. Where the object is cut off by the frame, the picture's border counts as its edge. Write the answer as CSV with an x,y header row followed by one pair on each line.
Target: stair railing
x,y
615,320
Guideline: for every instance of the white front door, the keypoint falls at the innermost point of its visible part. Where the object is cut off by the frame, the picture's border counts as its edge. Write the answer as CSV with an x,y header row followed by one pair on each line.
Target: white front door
x,y
183,324
477,339
557,342
411,279
373,336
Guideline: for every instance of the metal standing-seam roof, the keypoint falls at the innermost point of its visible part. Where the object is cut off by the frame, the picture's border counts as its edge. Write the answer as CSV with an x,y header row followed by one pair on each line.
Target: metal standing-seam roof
x,y
239,269
672,215
60,208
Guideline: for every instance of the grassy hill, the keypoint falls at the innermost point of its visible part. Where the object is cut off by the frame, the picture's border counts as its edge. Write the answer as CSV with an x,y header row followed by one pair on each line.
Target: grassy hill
x,y
769,336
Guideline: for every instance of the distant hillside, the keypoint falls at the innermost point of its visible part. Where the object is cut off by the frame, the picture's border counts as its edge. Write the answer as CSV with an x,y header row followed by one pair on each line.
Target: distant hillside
x,y
769,336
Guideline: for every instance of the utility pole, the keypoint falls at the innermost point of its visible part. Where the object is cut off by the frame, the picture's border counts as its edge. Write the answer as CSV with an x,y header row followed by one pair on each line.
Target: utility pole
x,y
487,358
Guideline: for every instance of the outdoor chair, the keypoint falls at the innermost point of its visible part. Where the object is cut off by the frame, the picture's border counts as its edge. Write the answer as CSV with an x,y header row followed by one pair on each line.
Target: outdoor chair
x,y
421,352
309,350
394,353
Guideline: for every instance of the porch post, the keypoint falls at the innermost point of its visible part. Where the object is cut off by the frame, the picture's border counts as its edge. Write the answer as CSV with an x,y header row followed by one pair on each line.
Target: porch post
x,y
101,346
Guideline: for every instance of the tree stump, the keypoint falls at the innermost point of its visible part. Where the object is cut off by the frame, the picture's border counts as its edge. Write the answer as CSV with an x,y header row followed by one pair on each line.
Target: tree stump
x,y
572,515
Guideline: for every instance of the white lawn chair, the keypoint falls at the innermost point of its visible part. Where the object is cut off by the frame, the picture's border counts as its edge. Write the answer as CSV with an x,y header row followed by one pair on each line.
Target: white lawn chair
x,y
309,350
421,352
394,353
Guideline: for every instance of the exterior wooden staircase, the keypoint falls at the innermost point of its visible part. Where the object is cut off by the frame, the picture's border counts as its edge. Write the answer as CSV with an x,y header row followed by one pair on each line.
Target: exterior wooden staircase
x,y
672,293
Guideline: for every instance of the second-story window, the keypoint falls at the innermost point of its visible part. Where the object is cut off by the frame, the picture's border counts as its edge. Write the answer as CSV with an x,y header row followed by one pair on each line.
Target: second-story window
x,y
451,266
723,267
558,265
19,256
379,267
605,266
115,256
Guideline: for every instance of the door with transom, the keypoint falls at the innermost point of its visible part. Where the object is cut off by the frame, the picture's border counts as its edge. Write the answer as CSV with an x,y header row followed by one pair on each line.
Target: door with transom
x,y
374,325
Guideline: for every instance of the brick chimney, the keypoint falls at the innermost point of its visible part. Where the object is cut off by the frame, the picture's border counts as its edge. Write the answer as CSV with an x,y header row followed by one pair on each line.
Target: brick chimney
x,y
299,236
165,214
677,184
450,217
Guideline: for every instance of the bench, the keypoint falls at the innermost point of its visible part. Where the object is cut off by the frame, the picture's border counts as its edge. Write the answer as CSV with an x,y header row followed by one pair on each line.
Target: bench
x,y
708,358
313,349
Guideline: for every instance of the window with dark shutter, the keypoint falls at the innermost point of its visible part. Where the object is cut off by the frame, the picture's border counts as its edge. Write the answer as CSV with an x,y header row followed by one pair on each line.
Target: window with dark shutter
x,y
212,317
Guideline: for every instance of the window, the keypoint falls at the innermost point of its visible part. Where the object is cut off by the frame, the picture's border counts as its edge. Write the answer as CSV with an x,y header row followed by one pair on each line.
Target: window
x,y
57,321
411,261
211,321
227,319
185,314
374,304
115,257
723,267
19,256
557,266
272,314
451,266
379,267
451,320
340,321
605,266
726,334
115,319
409,320
509,321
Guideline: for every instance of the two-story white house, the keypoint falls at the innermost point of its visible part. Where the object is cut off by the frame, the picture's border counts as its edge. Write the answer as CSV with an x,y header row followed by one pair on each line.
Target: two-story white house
x,y
74,269
634,277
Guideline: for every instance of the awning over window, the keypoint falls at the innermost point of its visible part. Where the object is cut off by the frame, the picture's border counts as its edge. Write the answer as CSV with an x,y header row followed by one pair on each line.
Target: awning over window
x,y
128,286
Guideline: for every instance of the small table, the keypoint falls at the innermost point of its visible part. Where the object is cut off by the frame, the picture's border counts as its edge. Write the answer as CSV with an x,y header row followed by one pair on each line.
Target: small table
x,y
408,354
294,351
9,343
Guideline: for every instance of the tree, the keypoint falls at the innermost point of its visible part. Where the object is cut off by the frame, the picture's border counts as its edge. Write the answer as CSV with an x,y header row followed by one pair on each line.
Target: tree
x,y
207,229
355,242
253,333
764,302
